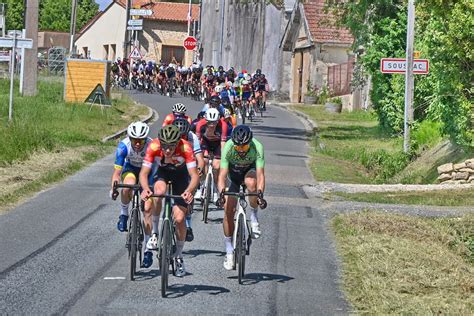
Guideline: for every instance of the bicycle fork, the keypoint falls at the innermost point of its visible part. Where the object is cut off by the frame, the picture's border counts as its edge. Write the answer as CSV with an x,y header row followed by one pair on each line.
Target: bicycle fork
x,y
236,229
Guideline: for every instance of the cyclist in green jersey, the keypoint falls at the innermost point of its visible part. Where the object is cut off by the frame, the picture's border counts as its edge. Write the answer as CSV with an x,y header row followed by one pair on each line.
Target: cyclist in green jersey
x,y
242,162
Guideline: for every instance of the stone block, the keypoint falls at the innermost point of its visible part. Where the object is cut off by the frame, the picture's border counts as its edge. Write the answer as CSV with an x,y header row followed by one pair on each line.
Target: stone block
x,y
448,167
459,166
468,170
471,179
444,176
469,161
461,176
449,182
470,164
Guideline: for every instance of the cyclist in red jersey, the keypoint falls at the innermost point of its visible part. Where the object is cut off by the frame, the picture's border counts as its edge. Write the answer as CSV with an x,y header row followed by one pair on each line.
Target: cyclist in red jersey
x,y
179,111
176,163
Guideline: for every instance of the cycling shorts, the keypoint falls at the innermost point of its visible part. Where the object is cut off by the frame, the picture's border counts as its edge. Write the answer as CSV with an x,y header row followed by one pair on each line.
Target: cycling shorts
x,y
179,178
129,169
237,175
246,95
214,147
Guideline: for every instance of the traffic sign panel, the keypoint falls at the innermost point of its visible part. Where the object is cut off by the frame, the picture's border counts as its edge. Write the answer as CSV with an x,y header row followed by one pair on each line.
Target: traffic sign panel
x,y
20,42
190,43
135,54
135,28
140,12
135,22
398,65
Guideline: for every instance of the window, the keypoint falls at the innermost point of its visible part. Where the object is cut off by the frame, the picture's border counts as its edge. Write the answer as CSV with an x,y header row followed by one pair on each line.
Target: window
x,y
106,52
168,52
85,52
113,52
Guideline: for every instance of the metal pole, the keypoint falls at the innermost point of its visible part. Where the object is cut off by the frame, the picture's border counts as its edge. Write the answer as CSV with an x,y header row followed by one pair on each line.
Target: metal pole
x,y
22,65
12,74
409,80
73,26
190,16
126,38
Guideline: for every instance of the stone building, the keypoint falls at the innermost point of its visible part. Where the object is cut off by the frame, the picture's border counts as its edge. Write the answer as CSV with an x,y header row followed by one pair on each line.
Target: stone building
x,y
162,36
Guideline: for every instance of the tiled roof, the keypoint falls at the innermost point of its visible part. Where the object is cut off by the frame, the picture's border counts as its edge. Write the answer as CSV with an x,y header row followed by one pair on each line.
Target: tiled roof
x,y
322,25
165,11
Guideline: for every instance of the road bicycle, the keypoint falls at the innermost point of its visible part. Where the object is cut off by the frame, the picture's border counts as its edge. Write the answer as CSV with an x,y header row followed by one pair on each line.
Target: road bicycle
x,y
167,242
207,188
134,241
239,241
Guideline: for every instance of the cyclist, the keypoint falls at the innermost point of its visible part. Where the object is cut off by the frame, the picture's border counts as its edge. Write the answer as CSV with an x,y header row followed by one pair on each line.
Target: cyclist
x,y
170,76
212,133
260,84
178,111
187,135
128,161
176,163
214,103
230,123
243,162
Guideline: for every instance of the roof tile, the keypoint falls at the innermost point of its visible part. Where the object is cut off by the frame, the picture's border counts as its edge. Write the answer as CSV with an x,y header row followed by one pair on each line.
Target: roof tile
x,y
165,11
322,25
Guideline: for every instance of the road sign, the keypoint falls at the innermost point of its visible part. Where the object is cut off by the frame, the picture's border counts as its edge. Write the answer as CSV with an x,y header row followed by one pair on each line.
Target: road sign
x,y
398,66
19,34
5,56
141,12
135,54
190,43
20,42
135,22
135,28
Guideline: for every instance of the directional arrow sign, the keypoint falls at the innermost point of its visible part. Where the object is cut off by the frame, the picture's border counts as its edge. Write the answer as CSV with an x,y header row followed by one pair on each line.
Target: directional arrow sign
x,y
20,42
140,12
399,65
135,22
135,28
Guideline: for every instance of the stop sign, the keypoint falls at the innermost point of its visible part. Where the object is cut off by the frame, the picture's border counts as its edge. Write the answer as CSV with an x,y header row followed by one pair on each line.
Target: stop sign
x,y
190,43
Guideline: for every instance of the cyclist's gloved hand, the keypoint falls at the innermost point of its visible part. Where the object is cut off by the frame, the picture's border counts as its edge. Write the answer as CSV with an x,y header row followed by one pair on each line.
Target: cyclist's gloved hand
x,y
145,194
113,194
260,200
187,197
221,200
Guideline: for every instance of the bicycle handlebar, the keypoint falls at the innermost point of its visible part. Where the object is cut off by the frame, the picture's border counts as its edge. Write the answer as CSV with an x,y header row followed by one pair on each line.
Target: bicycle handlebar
x,y
260,200
171,196
115,192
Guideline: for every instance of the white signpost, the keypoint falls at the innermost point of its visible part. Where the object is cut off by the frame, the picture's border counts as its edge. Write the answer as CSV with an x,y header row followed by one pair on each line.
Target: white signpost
x,y
135,22
141,12
399,66
14,43
135,28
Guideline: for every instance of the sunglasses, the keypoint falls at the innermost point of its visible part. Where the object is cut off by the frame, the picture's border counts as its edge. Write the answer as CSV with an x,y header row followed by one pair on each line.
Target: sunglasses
x,y
137,141
242,148
168,146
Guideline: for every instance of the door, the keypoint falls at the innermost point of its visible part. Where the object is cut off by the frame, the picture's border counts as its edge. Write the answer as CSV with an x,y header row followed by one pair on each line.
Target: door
x,y
170,52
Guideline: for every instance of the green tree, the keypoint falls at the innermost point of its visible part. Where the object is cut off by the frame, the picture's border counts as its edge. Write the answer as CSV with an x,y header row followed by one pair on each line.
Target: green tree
x,y
55,15
86,10
14,14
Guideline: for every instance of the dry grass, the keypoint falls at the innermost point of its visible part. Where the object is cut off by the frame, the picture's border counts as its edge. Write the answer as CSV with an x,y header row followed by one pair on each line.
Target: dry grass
x,y
407,265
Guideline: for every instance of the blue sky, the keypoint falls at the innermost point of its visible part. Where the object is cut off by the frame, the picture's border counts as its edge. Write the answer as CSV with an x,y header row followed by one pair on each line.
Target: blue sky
x,y
103,3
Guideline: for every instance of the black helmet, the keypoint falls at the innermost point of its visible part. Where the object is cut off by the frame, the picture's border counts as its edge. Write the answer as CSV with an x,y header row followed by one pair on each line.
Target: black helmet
x,y
259,71
170,134
221,68
215,100
183,125
241,135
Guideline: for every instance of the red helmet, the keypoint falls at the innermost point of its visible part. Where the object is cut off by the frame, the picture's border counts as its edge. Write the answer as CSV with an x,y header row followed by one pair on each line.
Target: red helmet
x,y
244,71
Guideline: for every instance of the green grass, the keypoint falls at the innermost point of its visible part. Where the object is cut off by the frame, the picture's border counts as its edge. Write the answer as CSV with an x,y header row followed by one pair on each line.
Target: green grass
x,y
394,264
351,147
46,122
464,197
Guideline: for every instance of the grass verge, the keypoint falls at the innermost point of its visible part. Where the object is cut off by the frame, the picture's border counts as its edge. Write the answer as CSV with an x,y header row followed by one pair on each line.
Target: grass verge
x,y
464,197
394,264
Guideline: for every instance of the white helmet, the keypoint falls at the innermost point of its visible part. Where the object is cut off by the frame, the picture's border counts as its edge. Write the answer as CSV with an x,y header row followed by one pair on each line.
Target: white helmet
x,y
218,89
245,82
179,108
247,77
212,115
138,130
227,113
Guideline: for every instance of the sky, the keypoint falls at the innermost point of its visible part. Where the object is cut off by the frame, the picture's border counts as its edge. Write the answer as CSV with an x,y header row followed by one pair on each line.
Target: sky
x,y
103,3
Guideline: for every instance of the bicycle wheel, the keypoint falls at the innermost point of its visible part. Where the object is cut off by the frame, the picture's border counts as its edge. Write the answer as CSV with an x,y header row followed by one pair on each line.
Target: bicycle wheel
x,y
134,243
240,247
207,199
165,256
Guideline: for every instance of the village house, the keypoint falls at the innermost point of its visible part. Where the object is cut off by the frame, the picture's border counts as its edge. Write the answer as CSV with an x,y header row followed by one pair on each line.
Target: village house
x,y
162,36
321,51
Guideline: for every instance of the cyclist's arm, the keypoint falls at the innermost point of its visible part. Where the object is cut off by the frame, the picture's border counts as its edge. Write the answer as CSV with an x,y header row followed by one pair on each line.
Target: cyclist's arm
x,y
120,155
260,164
191,166
224,166
223,133
151,151
261,179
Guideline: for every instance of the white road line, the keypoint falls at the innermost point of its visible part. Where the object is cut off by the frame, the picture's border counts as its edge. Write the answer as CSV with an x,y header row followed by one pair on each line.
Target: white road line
x,y
114,278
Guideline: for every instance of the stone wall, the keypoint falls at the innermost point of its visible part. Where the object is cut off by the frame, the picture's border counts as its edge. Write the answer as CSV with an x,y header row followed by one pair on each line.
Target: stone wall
x,y
457,172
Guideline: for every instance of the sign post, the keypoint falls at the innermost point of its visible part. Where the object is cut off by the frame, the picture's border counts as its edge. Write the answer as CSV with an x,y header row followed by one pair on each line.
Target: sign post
x,y
399,66
14,43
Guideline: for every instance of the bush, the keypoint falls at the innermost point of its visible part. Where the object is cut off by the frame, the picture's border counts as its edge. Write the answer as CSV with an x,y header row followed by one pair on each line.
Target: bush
x,y
382,164
426,134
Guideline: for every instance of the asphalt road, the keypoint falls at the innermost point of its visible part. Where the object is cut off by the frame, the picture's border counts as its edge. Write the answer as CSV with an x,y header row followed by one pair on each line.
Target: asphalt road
x,y
61,252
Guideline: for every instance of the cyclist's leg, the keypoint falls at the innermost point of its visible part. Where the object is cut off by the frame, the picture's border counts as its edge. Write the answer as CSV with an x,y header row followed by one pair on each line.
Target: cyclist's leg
x,y
155,204
180,183
228,222
128,177
251,184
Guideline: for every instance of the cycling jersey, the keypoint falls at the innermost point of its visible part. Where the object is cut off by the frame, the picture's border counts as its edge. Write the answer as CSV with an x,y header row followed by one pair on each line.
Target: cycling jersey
x,y
126,154
181,158
169,119
220,132
232,160
149,71
170,72
194,142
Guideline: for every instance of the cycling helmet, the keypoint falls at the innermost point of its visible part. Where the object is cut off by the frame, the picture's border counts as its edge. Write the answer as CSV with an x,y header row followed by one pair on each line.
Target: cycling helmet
x,y
215,100
245,82
179,108
138,130
183,125
259,71
212,115
247,77
227,113
218,89
241,75
241,135
170,134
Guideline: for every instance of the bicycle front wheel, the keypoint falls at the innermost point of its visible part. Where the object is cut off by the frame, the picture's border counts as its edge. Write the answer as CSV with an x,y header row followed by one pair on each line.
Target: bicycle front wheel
x,y
240,247
133,243
207,199
165,257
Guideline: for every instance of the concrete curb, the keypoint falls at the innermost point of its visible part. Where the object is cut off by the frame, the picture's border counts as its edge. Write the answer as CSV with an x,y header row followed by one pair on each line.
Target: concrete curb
x,y
310,126
151,116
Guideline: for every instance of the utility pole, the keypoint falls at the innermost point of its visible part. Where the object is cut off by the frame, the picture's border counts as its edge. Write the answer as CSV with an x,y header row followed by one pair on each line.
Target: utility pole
x,y
72,30
126,38
409,79
31,55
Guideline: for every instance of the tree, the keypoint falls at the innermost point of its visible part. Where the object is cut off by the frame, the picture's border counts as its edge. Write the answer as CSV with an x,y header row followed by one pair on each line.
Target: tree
x,y
86,10
14,14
